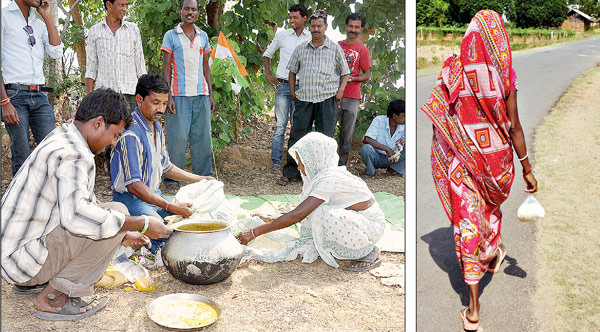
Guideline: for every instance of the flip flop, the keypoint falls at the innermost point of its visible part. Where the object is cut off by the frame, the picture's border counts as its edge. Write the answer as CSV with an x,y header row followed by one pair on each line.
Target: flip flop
x,y
283,181
467,324
499,261
25,290
70,311
372,258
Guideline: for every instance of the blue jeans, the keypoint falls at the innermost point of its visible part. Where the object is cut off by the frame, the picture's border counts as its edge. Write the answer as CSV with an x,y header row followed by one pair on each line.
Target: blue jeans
x,y
373,160
34,112
192,121
137,207
284,110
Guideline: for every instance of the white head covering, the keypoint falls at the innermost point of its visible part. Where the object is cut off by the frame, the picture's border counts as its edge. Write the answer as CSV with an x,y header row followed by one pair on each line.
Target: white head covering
x,y
324,178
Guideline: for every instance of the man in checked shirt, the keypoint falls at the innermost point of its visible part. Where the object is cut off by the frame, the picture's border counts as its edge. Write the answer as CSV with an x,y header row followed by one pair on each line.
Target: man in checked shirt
x,y
57,240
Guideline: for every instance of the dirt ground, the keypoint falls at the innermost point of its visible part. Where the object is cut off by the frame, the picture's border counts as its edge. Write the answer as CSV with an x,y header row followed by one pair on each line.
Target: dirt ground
x,y
289,296
568,239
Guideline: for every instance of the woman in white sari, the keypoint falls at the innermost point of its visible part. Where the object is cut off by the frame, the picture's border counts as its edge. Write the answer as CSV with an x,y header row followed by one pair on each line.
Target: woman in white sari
x,y
340,219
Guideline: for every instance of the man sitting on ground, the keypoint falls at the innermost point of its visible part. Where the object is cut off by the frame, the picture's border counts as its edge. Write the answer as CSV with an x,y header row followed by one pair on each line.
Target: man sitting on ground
x,y
383,139
140,158
56,238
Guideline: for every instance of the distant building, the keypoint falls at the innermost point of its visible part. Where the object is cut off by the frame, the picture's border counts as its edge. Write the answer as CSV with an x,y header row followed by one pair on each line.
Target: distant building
x,y
578,21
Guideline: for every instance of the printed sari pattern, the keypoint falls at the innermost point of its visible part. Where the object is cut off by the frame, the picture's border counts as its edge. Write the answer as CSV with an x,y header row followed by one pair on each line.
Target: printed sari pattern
x,y
471,152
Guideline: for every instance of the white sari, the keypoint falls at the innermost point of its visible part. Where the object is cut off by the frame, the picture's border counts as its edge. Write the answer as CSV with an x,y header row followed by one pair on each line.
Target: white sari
x,y
330,231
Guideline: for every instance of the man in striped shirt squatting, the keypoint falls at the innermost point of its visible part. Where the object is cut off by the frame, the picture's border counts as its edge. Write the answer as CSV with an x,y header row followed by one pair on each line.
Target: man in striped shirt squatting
x,y
57,240
322,72
140,158
186,51
286,42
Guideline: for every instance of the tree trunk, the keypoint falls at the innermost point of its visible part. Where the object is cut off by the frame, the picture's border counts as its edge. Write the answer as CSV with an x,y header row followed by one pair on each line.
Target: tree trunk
x,y
365,35
80,46
214,10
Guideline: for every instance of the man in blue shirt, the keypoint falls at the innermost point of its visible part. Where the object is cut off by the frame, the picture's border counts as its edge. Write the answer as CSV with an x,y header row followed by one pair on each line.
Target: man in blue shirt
x,y
383,139
140,158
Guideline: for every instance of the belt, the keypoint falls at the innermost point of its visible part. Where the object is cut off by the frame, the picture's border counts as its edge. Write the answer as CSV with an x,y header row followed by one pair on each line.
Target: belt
x,y
283,81
26,87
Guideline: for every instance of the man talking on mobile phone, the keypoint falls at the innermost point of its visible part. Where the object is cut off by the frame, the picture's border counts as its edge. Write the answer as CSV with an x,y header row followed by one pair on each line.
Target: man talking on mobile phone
x,y
24,102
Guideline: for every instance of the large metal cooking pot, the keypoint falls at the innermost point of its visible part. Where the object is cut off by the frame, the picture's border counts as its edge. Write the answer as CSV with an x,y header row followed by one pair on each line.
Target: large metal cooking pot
x,y
201,257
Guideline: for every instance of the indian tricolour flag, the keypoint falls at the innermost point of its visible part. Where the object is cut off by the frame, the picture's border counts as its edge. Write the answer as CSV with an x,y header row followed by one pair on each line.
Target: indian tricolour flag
x,y
225,51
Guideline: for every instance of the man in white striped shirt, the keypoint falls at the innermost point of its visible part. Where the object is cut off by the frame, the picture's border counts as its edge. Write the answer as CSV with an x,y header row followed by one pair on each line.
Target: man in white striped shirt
x,y
115,58
56,238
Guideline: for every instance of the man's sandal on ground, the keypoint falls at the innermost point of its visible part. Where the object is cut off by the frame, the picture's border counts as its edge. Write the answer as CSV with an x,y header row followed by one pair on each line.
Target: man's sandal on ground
x,y
283,181
276,169
27,290
72,310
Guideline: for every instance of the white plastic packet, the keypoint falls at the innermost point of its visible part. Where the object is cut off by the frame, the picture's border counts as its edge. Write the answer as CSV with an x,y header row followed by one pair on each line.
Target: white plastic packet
x,y
530,210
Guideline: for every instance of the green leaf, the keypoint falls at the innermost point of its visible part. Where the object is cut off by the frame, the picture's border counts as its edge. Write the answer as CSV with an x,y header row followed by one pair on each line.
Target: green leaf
x,y
224,137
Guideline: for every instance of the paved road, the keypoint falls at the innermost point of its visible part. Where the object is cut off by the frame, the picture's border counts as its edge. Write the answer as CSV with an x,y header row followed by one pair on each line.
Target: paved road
x,y
543,76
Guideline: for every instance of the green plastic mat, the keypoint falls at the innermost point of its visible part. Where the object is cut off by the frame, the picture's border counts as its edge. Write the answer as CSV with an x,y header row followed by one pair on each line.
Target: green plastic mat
x,y
391,205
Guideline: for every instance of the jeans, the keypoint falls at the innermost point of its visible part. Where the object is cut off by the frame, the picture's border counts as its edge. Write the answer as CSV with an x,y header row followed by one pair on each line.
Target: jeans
x,y
305,113
137,207
349,112
192,121
373,159
34,112
284,109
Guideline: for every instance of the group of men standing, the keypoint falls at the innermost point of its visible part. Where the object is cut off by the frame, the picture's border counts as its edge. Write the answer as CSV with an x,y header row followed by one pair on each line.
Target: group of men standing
x,y
63,245
317,83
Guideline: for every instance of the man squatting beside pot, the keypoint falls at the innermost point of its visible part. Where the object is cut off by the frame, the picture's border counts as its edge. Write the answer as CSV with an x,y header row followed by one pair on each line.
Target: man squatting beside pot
x,y
62,246
286,42
322,72
140,158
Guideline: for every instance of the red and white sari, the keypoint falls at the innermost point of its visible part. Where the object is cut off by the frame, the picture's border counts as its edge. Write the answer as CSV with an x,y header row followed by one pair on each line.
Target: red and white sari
x,y
471,152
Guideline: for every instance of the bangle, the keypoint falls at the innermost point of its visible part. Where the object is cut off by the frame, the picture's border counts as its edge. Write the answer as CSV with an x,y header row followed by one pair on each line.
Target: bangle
x,y
167,207
252,231
528,172
146,223
5,101
526,155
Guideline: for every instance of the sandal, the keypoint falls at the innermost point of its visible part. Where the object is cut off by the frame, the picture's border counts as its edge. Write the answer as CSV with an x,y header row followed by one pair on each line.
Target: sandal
x,y
71,310
25,290
372,258
107,192
499,259
283,181
468,325
276,169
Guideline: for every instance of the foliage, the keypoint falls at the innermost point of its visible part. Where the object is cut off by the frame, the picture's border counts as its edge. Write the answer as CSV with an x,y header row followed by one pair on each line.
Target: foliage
x,y
540,13
249,26
589,7
462,11
432,12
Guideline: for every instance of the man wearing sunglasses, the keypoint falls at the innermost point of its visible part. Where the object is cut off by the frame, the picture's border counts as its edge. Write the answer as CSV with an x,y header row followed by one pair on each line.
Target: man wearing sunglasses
x,y
24,105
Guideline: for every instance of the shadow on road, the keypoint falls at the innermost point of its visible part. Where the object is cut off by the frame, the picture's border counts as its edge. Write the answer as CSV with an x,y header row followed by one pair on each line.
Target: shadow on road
x,y
441,249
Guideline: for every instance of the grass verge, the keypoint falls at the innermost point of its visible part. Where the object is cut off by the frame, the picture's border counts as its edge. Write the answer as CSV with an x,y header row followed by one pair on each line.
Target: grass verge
x,y
568,239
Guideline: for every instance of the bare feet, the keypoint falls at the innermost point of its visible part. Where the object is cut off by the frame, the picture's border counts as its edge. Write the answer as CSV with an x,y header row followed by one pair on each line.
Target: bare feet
x,y
136,240
52,300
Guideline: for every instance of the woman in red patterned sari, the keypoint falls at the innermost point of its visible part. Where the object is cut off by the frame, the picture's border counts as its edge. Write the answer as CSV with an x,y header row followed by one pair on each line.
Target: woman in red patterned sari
x,y
476,125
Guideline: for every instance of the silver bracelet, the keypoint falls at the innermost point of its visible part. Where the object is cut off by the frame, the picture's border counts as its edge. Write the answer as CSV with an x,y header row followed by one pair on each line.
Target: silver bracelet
x,y
526,155
252,231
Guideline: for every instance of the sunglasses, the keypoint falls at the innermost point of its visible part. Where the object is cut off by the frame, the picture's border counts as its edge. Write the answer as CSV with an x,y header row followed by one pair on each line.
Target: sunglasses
x,y
29,31
319,14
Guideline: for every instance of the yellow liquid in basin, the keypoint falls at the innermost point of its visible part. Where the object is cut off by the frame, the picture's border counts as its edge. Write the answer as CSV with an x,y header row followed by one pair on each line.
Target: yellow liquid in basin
x,y
201,227
184,314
